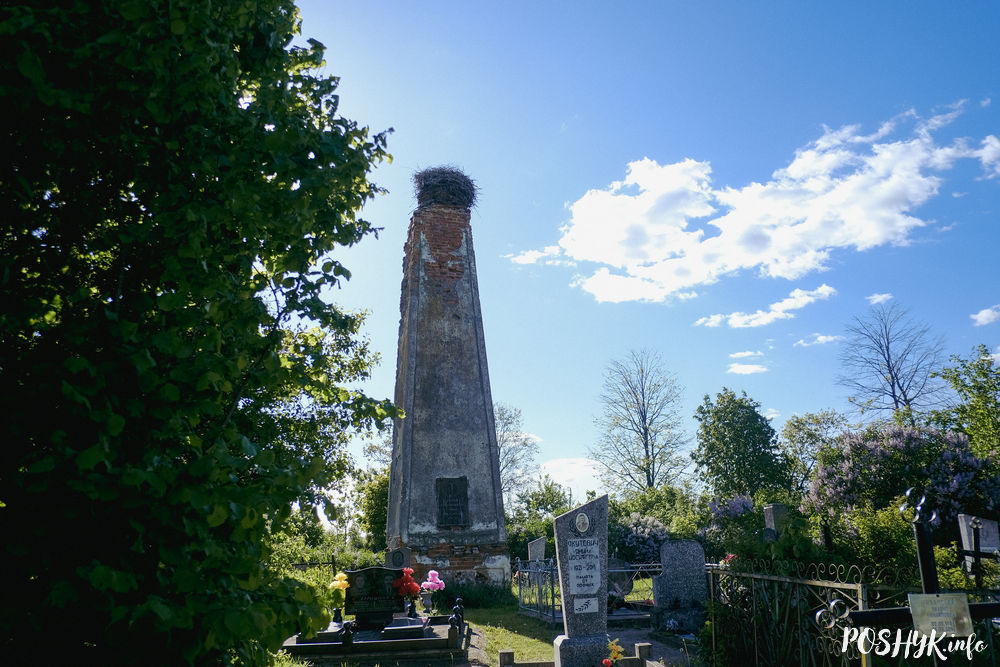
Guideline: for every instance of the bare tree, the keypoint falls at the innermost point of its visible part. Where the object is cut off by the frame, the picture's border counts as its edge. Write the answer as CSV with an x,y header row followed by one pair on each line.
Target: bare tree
x,y
517,451
641,435
377,448
889,361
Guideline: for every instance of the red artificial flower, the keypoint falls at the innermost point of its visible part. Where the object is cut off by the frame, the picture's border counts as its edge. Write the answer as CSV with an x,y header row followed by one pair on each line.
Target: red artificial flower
x,y
606,662
405,586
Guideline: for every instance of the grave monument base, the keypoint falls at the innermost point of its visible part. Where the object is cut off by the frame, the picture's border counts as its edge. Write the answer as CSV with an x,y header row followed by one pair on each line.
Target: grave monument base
x,y
583,650
466,563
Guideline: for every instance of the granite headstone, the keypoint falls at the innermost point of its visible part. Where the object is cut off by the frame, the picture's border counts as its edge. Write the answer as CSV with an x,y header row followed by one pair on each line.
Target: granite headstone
x,y
372,598
536,549
582,555
681,591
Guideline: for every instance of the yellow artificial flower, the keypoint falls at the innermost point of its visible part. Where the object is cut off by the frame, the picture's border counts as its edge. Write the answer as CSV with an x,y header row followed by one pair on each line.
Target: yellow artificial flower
x,y
340,582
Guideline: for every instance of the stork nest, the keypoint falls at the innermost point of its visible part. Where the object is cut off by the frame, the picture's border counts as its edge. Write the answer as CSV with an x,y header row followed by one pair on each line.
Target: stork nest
x,y
446,186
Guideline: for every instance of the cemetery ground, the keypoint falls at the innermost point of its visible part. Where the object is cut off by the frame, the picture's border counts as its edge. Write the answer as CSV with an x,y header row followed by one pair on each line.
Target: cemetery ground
x,y
499,627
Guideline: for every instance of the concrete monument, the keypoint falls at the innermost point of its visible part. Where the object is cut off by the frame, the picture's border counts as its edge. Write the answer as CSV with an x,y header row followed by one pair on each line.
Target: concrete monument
x,y
445,500
582,555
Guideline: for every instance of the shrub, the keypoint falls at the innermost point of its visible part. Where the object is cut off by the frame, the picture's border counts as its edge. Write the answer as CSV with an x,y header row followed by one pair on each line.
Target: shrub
x,y
872,468
483,595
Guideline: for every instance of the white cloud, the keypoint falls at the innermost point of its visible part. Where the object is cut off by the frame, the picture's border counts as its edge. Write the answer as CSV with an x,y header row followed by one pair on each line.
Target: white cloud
x,y
771,413
817,339
986,316
780,310
745,354
579,474
532,256
746,369
665,229
877,298
996,356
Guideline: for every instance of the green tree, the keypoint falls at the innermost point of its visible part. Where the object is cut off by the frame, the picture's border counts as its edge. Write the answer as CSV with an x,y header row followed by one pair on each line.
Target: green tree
x,y
374,513
547,498
305,524
976,380
533,513
803,436
641,435
175,179
737,451
676,507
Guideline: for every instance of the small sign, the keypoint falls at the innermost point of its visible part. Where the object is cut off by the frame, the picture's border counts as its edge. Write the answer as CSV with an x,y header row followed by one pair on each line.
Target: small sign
x,y
584,564
585,605
941,612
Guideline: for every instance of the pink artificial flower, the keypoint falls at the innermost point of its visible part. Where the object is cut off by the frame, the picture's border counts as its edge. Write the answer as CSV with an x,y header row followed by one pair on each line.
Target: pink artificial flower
x,y
433,582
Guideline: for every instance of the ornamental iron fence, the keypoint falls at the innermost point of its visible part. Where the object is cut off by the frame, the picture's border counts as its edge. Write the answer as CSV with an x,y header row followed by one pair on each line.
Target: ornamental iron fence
x,y
796,614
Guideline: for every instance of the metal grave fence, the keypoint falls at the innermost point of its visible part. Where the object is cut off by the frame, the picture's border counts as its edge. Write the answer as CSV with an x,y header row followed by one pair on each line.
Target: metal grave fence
x,y
630,589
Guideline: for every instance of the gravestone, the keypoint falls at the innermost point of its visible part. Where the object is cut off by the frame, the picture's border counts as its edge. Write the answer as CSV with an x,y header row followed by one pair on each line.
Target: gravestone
x,y
536,549
989,536
774,521
681,591
582,555
372,598
620,582
398,558
445,496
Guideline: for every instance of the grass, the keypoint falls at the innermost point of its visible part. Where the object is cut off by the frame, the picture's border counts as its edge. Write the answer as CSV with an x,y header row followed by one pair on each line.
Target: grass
x,y
530,639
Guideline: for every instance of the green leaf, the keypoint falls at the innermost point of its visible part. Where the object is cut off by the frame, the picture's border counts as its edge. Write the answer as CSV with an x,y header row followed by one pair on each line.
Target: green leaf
x,y
90,457
218,516
115,423
170,392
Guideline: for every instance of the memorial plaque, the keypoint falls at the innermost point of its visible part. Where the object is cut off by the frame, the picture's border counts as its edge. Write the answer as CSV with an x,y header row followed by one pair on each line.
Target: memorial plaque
x,y
584,560
453,502
941,612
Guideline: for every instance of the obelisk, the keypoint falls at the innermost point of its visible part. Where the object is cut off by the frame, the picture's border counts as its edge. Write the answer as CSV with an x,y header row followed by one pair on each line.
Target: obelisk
x,y
445,500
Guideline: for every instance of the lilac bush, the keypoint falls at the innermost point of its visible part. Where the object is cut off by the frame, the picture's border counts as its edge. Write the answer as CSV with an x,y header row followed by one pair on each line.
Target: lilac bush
x,y
641,537
874,467
731,508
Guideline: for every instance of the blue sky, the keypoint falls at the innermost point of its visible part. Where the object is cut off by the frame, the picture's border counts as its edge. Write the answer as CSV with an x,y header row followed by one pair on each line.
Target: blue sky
x,y
726,183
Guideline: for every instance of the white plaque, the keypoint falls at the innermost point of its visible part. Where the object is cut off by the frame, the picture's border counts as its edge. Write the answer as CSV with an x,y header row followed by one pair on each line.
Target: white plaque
x,y
941,612
585,605
584,562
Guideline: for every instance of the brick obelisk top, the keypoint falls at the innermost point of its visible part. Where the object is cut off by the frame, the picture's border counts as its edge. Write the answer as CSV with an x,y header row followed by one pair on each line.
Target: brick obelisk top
x,y
445,501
